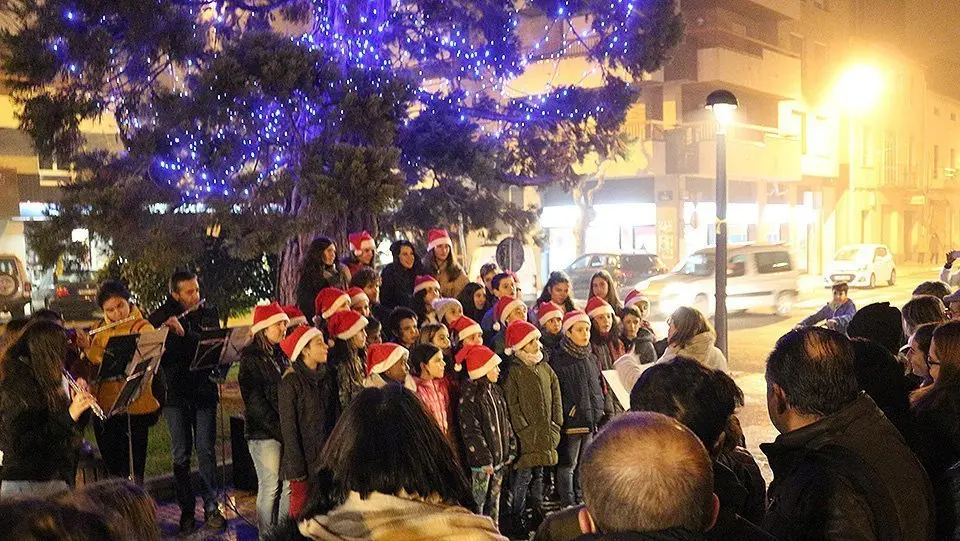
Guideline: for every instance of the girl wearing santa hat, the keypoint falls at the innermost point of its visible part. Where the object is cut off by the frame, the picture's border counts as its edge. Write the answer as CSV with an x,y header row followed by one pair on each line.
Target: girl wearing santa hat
x,y
362,252
638,336
426,289
348,330
441,263
386,364
262,364
607,347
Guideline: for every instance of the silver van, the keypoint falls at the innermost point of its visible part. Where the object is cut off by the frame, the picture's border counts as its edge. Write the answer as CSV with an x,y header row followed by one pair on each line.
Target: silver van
x,y
758,276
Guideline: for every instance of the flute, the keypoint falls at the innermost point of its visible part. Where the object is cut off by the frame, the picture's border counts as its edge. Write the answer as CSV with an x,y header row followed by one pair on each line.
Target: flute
x,y
112,325
195,308
94,407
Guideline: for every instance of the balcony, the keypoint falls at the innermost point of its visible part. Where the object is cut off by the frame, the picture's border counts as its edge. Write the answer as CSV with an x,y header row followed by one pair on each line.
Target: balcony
x,y
753,153
899,176
769,72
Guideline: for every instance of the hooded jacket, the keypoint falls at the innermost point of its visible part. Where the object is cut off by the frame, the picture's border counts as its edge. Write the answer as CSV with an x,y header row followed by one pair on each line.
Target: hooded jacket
x,y
701,349
536,411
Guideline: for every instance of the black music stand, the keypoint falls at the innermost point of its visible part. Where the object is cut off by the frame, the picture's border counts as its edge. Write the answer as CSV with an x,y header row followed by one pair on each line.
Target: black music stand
x,y
117,356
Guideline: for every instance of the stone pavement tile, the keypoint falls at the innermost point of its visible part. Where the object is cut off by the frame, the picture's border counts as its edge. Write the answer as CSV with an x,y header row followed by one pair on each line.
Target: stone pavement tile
x,y
238,528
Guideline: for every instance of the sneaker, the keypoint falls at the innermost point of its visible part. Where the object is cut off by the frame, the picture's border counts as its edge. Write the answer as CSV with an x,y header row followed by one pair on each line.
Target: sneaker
x,y
215,519
188,524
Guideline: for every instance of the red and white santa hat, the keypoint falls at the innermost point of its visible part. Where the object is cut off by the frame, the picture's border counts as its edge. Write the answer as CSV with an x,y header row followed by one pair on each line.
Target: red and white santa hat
x,y
423,282
572,317
380,357
266,315
436,237
357,296
295,315
479,360
361,241
329,300
547,311
597,306
465,328
634,298
346,325
519,334
294,343
504,307
441,305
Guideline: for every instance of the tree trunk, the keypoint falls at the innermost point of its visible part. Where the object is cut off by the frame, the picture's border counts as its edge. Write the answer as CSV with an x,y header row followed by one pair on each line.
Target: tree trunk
x,y
289,275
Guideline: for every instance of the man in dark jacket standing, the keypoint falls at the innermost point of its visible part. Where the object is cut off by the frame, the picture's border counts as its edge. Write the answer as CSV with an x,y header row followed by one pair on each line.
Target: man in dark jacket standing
x,y
189,397
841,470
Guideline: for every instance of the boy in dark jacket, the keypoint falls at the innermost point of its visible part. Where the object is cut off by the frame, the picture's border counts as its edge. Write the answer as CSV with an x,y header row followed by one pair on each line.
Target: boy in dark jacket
x,y
485,427
536,412
582,398
309,408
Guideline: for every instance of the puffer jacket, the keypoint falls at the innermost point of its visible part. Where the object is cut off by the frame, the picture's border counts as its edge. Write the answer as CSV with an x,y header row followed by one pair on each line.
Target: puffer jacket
x,y
485,425
107,391
701,349
580,390
536,411
259,379
309,408
642,346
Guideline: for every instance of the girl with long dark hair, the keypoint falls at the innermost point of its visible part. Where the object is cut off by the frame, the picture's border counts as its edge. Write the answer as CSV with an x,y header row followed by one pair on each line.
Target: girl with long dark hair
x,y
557,291
473,298
603,286
397,278
320,269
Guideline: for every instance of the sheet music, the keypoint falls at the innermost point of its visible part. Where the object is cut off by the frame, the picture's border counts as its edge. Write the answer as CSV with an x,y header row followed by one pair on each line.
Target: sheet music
x,y
619,391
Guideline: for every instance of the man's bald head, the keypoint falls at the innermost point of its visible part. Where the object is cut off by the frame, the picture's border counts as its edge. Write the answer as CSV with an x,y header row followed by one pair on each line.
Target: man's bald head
x,y
647,472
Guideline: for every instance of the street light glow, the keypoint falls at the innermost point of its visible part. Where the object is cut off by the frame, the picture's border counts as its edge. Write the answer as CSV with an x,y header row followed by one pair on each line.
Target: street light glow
x,y
722,103
860,88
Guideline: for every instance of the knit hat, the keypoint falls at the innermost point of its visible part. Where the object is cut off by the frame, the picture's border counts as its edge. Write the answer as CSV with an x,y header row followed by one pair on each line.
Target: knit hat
x,y
423,282
443,304
345,325
380,357
465,328
572,317
503,308
294,343
295,315
479,361
547,311
519,334
436,237
357,295
880,323
329,300
360,241
266,315
634,298
597,306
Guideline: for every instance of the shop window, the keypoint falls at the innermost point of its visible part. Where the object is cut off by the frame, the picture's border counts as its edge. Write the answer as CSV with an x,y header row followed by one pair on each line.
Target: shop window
x,y
771,262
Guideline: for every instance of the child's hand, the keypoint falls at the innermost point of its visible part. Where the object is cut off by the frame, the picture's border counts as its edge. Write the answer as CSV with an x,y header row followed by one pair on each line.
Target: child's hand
x,y
488,469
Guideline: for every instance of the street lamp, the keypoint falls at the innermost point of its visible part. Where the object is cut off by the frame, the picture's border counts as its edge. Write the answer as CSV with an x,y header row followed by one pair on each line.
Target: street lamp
x,y
722,103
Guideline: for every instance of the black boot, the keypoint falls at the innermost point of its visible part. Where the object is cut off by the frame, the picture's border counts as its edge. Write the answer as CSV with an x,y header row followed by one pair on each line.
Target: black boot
x,y
188,523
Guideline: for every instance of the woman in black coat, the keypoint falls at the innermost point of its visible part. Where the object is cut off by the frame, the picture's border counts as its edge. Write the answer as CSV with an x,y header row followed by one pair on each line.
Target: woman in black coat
x,y
320,269
397,278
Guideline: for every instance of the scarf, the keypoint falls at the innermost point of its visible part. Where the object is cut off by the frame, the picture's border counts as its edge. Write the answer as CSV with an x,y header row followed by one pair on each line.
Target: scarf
x,y
530,359
581,352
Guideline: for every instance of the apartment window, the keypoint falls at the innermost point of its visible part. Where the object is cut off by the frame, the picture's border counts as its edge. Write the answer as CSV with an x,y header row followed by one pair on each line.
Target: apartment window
x,y
936,160
739,29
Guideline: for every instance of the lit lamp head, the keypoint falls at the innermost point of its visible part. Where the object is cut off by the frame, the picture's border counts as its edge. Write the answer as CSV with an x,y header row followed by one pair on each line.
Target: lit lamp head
x,y
860,88
722,103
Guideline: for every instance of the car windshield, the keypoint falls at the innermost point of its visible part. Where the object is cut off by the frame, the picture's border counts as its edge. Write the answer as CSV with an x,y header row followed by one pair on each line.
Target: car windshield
x,y
851,254
77,277
697,265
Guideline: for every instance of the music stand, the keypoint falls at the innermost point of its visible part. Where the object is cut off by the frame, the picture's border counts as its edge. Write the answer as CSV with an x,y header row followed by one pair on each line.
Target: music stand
x,y
117,356
209,349
238,339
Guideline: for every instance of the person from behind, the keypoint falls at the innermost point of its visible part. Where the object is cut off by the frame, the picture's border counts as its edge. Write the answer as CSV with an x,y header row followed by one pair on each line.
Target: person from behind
x,y
647,475
127,509
837,313
43,520
951,278
691,335
881,323
952,303
920,310
880,375
936,288
841,470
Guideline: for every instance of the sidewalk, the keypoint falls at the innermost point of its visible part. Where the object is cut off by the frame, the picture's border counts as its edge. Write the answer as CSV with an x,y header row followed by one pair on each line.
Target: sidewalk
x,y
238,529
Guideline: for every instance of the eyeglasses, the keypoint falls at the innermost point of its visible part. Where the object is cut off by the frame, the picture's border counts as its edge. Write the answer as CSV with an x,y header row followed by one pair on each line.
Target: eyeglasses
x,y
933,363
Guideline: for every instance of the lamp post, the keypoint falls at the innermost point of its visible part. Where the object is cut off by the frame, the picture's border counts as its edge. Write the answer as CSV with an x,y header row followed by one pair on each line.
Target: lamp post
x,y
722,103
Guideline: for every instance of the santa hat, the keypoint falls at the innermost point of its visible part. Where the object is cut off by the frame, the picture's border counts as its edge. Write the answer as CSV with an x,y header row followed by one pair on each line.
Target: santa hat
x,y
572,317
266,315
634,298
345,325
503,308
380,357
465,328
357,295
441,305
436,237
295,315
423,282
519,334
597,306
329,300
547,311
294,343
479,361
360,241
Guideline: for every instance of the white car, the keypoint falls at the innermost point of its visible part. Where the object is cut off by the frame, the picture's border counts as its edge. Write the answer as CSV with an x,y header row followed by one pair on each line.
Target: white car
x,y
861,265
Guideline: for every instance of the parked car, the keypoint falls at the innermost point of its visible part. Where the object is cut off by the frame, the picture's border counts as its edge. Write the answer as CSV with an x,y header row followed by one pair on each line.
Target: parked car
x,y
758,276
861,265
14,286
75,294
627,269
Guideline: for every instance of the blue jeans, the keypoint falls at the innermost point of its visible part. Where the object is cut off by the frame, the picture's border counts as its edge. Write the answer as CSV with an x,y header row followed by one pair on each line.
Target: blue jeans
x,y
570,450
527,481
273,496
189,427
31,489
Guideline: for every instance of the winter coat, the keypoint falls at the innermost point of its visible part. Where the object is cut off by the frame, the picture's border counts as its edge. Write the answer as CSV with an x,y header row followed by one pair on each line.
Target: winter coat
x,y
536,412
396,281
108,391
383,517
935,438
353,264
485,425
435,395
642,346
38,443
309,408
313,281
847,476
672,534
842,314
181,386
700,349
580,390
449,286
744,479
348,367
259,379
